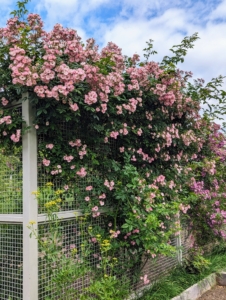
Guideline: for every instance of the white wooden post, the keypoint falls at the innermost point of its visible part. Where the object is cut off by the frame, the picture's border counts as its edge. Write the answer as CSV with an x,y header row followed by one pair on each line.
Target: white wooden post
x,y
179,250
30,207
179,243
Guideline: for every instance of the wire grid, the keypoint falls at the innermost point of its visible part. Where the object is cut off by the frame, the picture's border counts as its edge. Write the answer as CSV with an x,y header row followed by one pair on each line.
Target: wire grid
x,y
70,236
11,262
155,268
186,241
67,240
76,192
11,183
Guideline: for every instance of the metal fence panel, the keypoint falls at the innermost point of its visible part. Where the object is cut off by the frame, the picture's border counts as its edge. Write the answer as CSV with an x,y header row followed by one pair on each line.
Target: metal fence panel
x,y
26,273
11,262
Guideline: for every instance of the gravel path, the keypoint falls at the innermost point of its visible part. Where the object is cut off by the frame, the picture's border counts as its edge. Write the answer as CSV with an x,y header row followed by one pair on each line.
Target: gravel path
x,y
216,293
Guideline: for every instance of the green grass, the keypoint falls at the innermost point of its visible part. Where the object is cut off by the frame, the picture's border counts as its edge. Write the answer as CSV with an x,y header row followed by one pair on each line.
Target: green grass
x,y
179,280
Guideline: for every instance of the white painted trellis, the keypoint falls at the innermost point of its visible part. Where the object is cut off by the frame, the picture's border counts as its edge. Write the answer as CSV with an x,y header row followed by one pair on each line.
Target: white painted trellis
x,y
29,289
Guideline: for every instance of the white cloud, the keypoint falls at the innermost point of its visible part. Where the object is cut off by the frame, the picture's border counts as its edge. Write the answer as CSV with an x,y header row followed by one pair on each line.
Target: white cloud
x,y
206,60
219,12
67,11
6,8
71,13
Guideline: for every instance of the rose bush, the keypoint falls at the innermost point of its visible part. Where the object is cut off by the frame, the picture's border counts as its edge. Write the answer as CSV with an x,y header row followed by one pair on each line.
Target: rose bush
x,y
128,131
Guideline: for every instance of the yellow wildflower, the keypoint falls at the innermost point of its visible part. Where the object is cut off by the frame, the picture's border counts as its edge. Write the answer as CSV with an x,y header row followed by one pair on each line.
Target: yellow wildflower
x,y
36,193
59,192
74,251
32,222
50,204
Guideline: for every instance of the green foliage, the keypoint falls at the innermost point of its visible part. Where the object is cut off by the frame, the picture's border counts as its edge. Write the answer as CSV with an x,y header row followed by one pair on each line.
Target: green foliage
x,y
180,50
195,262
117,140
21,10
63,264
179,279
107,288
148,51
11,183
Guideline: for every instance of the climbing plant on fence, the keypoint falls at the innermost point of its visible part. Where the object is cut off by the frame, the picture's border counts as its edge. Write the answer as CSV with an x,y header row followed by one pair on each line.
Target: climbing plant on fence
x,y
118,137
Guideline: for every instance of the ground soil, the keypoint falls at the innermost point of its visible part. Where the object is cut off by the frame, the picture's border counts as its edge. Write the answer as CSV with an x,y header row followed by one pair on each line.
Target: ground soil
x,y
216,293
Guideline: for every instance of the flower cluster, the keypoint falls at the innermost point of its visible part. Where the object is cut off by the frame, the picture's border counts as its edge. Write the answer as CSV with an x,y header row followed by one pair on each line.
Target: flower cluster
x,y
115,132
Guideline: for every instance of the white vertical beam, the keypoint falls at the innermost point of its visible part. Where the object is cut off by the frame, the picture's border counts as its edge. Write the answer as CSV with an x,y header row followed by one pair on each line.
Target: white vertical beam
x,y
179,242
30,207
179,250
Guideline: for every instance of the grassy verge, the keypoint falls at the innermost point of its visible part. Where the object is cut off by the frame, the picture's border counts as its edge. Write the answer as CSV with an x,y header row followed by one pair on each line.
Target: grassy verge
x,y
179,280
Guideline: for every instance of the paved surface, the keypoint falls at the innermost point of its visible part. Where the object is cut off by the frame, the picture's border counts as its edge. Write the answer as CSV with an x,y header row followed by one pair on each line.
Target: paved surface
x,y
216,293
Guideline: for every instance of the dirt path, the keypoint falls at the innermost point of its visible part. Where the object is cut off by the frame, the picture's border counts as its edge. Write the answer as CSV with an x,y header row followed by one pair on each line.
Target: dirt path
x,y
216,293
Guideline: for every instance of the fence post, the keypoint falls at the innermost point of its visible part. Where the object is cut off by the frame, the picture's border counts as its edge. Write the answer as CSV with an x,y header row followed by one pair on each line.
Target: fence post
x,y
179,242
30,207
179,250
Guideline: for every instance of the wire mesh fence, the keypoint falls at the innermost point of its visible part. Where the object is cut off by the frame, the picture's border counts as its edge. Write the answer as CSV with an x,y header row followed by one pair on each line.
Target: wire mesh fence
x,y
11,262
62,273
71,257
11,191
72,197
11,184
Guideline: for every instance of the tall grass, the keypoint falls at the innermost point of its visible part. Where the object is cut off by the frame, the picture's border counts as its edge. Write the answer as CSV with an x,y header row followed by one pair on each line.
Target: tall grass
x,y
179,279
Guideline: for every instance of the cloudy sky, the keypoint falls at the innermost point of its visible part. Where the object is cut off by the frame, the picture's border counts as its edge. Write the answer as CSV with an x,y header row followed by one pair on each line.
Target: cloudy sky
x,y
130,23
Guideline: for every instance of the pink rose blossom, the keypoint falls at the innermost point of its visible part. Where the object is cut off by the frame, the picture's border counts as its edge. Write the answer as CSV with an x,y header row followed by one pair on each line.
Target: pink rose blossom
x,y
49,146
108,184
103,196
145,279
91,98
46,162
4,101
114,134
54,172
16,137
82,172
89,188
6,119
96,214
95,208
139,132
74,107
68,158
121,149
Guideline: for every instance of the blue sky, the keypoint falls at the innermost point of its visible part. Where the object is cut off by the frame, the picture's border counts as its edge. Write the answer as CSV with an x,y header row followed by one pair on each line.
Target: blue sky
x,y
130,23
